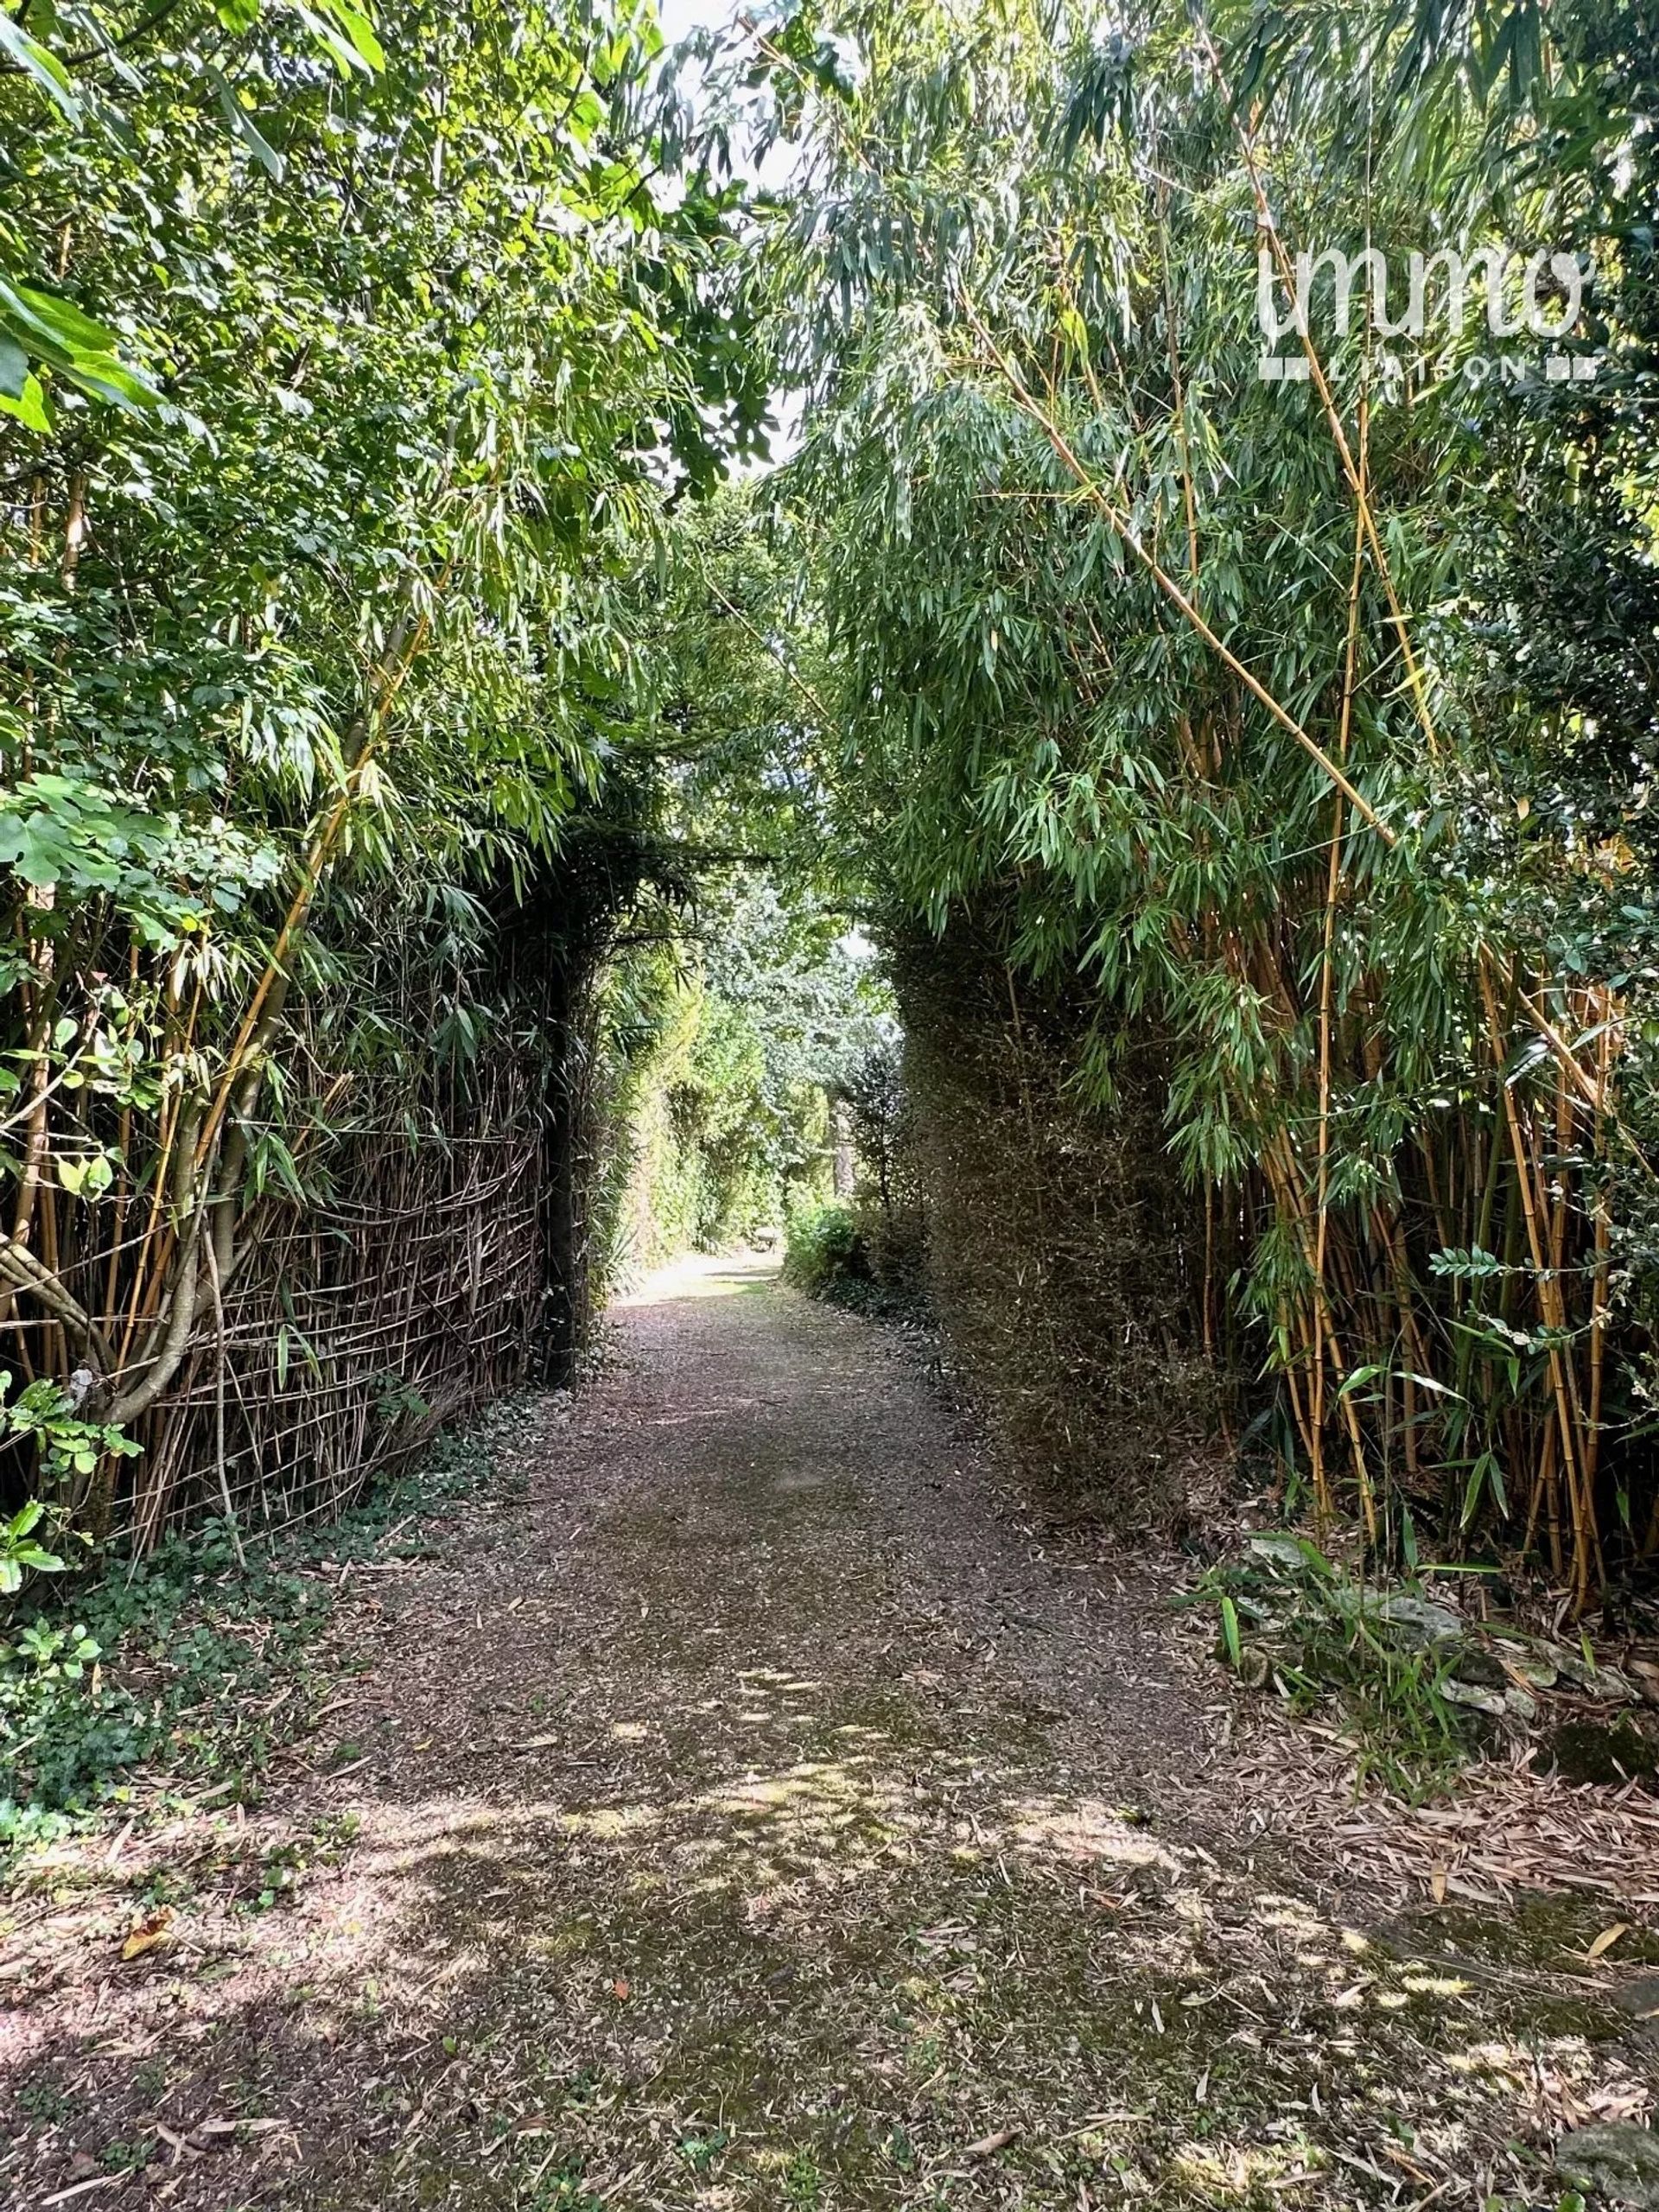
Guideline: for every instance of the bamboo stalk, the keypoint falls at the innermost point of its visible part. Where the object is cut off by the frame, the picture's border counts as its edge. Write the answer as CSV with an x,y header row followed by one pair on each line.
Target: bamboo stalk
x,y
1549,1296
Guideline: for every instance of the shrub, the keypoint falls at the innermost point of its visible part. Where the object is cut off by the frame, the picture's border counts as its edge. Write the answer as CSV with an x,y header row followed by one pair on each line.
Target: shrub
x,y
824,1252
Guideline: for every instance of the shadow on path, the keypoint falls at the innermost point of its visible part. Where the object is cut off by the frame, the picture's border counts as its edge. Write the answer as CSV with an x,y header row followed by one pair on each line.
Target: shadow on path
x,y
761,1817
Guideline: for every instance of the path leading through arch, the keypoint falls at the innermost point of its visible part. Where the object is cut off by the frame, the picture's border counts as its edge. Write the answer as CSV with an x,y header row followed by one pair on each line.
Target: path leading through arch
x,y
756,1808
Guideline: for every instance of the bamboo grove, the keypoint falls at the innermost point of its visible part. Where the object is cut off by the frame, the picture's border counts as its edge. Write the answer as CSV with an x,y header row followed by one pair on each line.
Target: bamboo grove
x,y
347,368
1284,730
1245,773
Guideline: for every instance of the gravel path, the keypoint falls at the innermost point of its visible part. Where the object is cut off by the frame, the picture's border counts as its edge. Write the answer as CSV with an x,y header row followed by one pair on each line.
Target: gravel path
x,y
762,1812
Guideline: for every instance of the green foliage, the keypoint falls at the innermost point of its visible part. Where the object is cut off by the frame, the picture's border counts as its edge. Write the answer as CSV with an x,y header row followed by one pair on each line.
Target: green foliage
x,y
166,879
1119,669
727,1041
65,1445
164,1663
560,2188
43,1419
395,728
329,663
1290,1617
836,1252
824,1254
701,2150
803,2181
20,1553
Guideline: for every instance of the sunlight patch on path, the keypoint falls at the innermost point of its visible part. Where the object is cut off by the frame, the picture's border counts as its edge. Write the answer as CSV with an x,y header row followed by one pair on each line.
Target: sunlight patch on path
x,y
701,1276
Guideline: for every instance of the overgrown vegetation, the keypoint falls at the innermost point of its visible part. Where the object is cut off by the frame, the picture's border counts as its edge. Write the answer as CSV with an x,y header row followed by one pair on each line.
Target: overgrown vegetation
x,y
1236,740
1420,1682
1291,1617
323,806
1135,845
824,1255
733,1037
193,1663
447,823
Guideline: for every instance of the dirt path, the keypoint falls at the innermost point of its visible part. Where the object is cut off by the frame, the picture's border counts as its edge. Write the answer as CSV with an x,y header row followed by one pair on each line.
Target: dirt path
x,y
762,1815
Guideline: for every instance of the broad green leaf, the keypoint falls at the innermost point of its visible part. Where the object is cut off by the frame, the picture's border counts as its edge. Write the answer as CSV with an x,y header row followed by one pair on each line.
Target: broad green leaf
x,y
346,36
14,367
29,408
244,125
35,61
